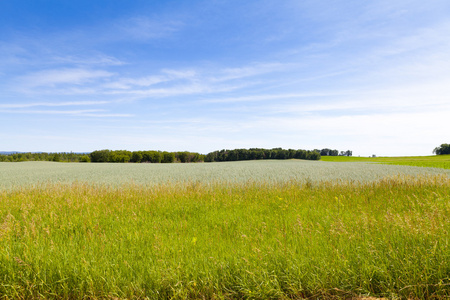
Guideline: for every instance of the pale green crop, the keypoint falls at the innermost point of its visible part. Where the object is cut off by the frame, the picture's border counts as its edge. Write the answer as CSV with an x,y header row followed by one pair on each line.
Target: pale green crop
x,y
268,171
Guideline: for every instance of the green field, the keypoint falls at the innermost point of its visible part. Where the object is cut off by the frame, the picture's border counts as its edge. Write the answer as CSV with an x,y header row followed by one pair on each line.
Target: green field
x,y
432,161
244,230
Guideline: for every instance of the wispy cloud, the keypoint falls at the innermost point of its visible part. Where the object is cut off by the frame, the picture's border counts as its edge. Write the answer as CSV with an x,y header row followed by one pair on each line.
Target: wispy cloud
x,y
252,70
95,59
53,112
260,98
52,78
82,113
194,81
26,108
53,104
106,115
164,76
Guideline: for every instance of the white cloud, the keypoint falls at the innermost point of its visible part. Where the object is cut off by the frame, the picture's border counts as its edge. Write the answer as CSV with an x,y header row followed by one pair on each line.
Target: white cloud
x,y
129,83
165,76
96,59
51,78
185,89
180,74
252,70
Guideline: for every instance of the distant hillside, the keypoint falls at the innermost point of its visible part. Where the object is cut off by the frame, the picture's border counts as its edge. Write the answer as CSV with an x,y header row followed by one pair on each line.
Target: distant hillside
x,y
8,152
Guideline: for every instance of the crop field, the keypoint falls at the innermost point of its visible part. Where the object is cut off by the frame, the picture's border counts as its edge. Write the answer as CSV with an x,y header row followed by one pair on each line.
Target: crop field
x,y
433,161
240,230
13,175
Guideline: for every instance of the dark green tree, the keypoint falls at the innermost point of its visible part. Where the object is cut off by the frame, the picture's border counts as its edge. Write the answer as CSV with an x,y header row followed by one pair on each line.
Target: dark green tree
x,y
168,157
137,157
56,157
443,149
100,155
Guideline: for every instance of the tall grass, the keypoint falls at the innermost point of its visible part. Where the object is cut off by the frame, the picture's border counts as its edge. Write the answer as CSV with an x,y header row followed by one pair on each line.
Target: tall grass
x,y
388,238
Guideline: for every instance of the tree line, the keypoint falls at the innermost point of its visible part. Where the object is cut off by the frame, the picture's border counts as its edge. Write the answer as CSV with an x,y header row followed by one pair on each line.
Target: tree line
x,y
114,156
443,149
192,157
330,152
124,156
44,156
259,153
121,156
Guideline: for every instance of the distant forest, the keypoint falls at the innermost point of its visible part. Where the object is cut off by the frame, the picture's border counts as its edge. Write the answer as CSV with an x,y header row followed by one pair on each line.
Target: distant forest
x,y
259,153
124,156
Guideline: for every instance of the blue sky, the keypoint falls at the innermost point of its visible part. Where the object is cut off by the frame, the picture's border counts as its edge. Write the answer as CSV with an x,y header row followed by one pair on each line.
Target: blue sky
x,y
369,76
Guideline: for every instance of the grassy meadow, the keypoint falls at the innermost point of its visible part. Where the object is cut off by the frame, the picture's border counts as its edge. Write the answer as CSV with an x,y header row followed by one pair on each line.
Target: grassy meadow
x,y
299,230
432,161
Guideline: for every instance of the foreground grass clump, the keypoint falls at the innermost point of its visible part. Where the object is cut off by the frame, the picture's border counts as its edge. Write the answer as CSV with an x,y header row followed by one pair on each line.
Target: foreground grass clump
x,y
293,240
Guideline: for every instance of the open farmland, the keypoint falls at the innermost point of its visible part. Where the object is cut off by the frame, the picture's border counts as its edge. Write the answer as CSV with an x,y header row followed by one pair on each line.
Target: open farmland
x,y
432,161
244,230
272,171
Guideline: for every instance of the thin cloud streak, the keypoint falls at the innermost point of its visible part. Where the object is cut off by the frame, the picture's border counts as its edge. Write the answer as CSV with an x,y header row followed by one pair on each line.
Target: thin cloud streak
x,y
51,78
54,104
86,113
101,60
257,98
